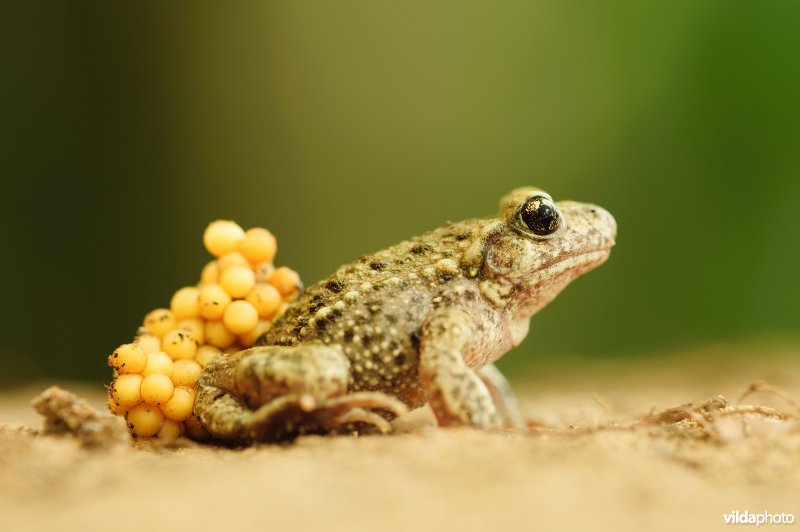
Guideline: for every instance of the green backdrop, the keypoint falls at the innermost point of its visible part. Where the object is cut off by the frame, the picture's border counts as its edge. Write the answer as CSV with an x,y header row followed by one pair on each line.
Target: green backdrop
x,y
347,126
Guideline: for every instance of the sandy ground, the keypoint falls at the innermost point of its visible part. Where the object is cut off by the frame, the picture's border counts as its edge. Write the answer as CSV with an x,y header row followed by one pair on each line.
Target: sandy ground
x,y
616,469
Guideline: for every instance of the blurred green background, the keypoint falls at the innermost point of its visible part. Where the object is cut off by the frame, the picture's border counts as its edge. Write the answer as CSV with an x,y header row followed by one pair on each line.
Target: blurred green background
x,y
347,126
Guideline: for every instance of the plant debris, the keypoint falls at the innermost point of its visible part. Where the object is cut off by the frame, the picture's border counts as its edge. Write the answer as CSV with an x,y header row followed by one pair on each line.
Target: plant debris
x,y
66,413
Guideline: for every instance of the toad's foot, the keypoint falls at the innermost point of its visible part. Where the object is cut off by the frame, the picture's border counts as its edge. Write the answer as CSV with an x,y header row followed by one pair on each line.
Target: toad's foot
x,y
459,395
276,393
293,415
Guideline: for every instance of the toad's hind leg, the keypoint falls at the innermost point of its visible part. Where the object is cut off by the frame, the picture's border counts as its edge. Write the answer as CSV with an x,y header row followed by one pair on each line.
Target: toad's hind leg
x,y
272,393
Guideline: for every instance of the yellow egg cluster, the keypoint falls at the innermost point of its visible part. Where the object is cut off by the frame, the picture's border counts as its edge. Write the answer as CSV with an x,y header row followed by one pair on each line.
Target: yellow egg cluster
x,y
239,295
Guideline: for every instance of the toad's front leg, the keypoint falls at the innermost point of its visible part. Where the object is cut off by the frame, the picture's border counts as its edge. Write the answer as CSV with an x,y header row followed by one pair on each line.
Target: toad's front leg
x,y
273,393
457,395
503,397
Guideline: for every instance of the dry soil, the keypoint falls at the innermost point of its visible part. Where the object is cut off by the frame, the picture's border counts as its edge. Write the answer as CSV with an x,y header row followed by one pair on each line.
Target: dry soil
x,y
605,452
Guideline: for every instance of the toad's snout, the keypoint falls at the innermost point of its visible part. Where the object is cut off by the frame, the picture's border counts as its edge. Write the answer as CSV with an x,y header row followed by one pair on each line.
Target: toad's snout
x,y
588,226
606,225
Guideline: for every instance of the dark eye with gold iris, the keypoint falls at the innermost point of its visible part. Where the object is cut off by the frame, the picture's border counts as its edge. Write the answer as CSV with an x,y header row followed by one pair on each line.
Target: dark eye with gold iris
x,y
540,215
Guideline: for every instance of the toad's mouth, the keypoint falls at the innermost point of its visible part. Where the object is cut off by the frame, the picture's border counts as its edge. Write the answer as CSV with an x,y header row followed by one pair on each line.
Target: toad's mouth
x,y
567,266
575,262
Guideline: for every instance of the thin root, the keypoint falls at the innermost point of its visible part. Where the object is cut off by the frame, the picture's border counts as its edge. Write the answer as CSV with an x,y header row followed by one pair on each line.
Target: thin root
x,y
766,411
701,414
761,386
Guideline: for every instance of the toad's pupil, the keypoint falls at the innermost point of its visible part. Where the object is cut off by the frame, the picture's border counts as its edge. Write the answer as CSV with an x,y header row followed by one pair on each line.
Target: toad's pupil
x,y
540,215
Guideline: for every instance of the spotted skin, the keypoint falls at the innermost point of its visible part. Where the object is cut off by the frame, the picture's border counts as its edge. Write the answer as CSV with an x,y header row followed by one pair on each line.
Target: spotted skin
x,y
413,323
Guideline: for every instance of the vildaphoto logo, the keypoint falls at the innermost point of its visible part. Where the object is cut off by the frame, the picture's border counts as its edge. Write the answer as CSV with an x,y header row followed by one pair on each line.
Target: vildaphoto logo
x,y
764,518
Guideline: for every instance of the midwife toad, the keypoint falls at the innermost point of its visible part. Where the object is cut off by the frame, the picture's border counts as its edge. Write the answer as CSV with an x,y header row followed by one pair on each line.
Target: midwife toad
x,y
420,321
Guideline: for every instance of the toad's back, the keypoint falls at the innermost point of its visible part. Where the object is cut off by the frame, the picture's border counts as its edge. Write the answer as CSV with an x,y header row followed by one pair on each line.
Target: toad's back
x,y
374,308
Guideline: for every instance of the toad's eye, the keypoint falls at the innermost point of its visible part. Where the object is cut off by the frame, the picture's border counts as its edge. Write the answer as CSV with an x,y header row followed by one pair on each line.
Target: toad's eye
x,y
540,215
